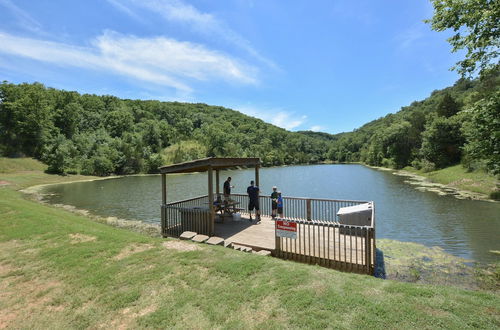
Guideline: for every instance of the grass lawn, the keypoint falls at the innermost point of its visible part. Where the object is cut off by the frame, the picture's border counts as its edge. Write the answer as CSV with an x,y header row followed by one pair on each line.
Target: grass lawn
x,y
61,270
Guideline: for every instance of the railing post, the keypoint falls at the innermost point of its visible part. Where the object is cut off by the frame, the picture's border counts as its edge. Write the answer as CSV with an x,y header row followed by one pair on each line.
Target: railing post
x,y
211,200
163,203
308,209
277,242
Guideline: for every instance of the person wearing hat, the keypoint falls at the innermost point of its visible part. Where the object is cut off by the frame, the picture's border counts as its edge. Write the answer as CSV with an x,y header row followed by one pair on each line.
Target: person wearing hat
x,y
274,202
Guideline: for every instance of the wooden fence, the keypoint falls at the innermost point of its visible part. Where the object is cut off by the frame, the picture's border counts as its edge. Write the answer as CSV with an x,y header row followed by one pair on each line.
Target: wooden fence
x,y
188,215
333,245
320,238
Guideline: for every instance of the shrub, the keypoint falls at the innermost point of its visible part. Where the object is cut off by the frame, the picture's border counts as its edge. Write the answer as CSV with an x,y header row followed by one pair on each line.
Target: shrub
x,y
427,166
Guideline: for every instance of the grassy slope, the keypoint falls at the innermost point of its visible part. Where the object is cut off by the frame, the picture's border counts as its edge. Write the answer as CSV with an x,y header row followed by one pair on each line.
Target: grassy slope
x,y
457,177
60,270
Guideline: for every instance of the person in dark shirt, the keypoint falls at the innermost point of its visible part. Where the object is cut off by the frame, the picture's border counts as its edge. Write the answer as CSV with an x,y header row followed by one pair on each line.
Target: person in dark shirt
x,y
227,193
274,202
227,187
253,196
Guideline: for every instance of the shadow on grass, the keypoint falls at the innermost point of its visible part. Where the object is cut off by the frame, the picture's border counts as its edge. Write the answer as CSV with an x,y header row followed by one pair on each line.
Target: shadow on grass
x,y
380,268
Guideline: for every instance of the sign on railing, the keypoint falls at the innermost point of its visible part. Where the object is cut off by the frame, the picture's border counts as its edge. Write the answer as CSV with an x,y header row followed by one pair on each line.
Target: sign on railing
x,y
286,229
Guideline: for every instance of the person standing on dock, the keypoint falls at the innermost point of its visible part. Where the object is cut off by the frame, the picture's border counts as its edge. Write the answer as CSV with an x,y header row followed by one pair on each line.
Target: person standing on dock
x,y
227,188
274,202
280,204
253,196
227,194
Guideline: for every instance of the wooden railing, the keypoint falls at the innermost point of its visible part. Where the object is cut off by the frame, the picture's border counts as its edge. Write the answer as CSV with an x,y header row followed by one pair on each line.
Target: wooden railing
x,y
188,215
333,245
301,208
320,237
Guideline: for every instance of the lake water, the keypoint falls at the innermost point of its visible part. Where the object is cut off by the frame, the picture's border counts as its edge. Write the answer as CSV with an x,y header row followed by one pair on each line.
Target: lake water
x,y
465,228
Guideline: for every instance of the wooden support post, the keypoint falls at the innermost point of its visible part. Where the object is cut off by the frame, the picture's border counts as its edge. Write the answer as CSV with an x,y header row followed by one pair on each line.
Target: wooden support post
x,y
163,203
211,200
277,241
217,183
308,209
257,183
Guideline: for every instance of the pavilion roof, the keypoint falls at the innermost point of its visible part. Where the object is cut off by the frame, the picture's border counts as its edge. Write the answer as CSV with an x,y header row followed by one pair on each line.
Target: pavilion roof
x,y
201,165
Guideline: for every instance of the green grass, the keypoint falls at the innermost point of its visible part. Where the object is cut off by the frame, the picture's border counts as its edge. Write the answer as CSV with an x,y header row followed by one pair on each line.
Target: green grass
x,y
61,270
16,165
21,173
458,177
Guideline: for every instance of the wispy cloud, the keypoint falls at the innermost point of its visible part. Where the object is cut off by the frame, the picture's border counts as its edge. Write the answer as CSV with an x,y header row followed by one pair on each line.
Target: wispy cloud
x,y
159,61
408,38
202,23
121,7
279,117
25,20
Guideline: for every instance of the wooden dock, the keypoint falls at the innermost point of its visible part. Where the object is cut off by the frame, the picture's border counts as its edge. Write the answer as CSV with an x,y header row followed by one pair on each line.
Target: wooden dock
x,y
257,236
311,230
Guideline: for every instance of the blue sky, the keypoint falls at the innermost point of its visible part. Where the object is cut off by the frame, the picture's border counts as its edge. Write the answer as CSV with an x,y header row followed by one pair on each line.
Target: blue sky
x,y
321,65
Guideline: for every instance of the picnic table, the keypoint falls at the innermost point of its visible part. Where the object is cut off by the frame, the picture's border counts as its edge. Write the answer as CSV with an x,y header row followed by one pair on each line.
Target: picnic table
x,y
226,208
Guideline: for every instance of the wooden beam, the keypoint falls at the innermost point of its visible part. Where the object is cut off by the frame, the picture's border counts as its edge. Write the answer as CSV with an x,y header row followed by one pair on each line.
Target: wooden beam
x,y
202,165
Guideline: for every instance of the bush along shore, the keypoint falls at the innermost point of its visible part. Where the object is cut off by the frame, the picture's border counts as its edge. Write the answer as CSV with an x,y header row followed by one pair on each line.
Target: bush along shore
x,y
59,269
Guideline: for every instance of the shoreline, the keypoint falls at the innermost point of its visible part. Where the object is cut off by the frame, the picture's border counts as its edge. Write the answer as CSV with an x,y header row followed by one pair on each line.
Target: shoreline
x,y
35,194
422,183
397,260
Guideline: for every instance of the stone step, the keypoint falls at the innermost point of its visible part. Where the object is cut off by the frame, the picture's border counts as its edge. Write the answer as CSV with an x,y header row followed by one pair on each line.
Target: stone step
x,y
214,240
200,238
188,235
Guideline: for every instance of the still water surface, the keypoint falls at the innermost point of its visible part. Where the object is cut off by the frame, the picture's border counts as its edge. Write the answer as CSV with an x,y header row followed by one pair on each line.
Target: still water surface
x,y
465,228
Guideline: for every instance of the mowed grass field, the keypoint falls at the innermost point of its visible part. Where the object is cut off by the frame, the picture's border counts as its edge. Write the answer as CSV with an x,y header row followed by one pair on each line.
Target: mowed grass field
x,y
61,270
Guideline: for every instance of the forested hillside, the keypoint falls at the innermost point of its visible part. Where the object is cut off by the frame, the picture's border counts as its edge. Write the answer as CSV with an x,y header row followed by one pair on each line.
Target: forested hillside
x,y
457,124
100,135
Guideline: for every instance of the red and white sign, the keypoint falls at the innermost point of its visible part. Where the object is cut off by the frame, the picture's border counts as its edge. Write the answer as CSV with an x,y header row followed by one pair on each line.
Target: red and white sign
x,y
286,229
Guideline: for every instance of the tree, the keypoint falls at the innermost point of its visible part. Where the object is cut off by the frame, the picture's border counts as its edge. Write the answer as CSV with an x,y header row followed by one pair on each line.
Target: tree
x,y
442,142
476,26
483,132
447,107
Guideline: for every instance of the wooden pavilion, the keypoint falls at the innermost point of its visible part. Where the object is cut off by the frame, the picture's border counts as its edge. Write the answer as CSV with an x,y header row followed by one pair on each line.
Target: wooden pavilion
x,y
209,165
314,233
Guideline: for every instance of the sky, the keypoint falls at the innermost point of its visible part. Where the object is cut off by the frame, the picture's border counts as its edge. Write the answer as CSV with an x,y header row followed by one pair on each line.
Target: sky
x,y
327,66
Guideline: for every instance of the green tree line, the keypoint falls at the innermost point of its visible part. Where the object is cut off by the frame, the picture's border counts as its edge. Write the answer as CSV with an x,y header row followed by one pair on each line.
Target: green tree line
x,y
101,135
457,124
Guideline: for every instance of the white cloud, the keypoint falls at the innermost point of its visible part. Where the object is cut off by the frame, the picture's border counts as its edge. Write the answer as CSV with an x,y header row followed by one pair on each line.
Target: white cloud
x,y
159,61
281,118
316,128
206,24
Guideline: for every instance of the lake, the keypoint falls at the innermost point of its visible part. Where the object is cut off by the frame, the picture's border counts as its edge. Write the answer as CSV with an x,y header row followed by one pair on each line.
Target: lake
x,y
465,228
